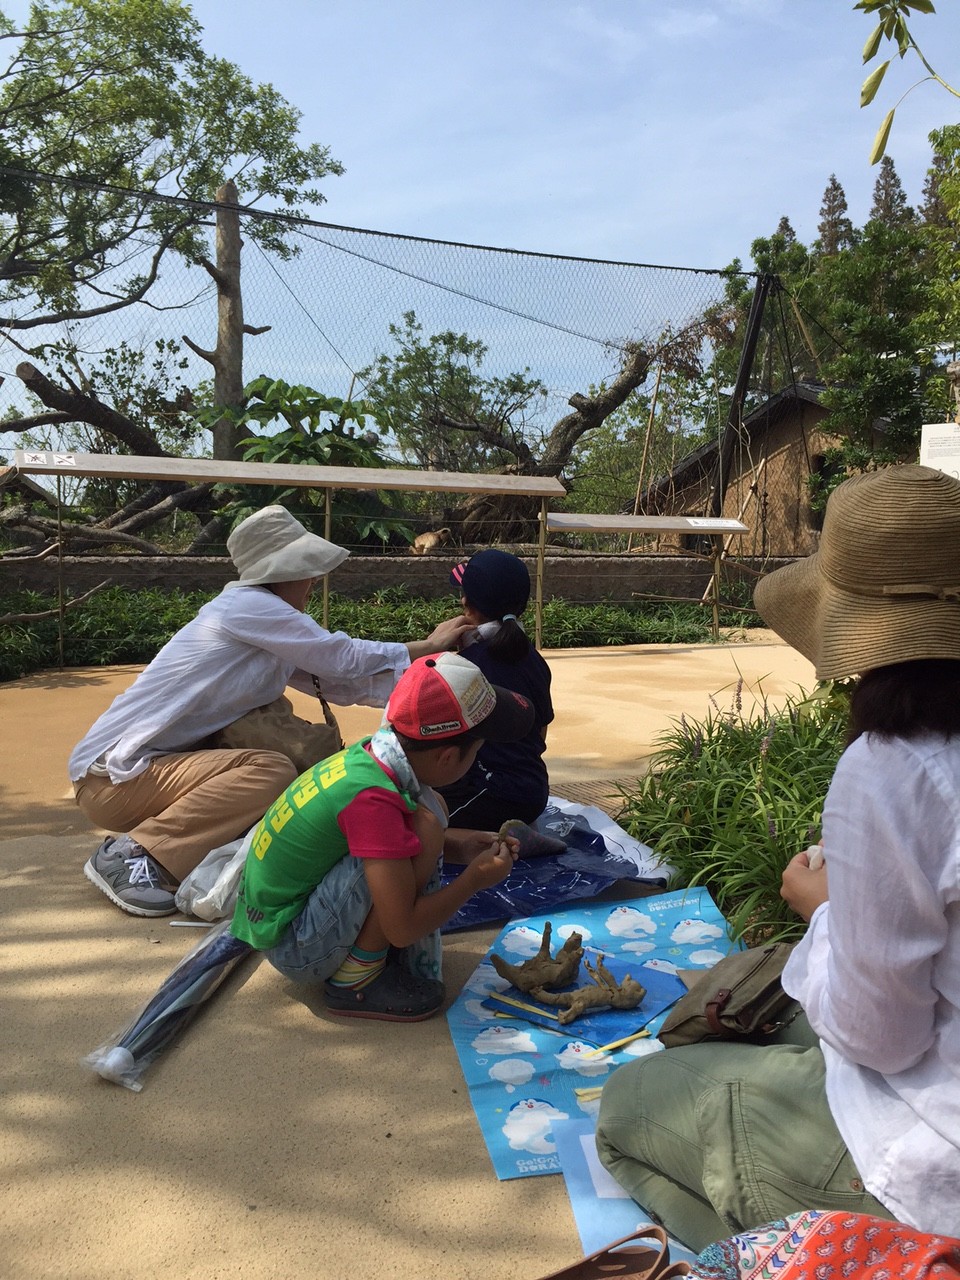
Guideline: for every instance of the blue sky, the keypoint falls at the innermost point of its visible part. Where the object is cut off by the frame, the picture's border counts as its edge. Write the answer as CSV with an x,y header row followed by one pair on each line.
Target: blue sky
x,y
663,131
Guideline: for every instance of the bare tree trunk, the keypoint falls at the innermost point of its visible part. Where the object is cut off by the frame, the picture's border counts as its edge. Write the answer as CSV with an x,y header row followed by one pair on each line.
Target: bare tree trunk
x,y
228,369
227,357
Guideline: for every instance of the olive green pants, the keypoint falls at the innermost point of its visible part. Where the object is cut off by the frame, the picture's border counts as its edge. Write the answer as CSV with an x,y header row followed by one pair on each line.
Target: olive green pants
x,y
716,1138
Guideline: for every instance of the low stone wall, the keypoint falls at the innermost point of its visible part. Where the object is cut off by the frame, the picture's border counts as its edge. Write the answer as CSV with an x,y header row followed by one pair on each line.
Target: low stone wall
x,y
584,579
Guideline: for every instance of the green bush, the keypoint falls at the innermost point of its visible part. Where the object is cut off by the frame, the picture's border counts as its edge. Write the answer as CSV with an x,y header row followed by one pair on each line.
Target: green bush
x,y
122,626
731,798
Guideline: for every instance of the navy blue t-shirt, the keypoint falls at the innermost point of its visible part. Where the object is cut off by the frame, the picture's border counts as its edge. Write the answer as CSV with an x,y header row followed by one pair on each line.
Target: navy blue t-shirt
x,y
518,769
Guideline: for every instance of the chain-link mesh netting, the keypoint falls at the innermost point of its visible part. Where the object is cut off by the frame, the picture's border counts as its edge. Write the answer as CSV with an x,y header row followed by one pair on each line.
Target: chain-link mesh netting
x,y
345,299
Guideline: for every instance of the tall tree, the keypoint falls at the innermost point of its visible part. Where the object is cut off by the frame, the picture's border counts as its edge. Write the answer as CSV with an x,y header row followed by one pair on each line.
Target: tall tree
x,y
889,198
934,210
886,379
835,227
101,100
433,397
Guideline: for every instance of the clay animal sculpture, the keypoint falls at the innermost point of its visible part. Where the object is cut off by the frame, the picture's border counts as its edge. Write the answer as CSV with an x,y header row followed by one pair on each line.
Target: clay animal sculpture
x,y
533,843
543,969
606,993
433,540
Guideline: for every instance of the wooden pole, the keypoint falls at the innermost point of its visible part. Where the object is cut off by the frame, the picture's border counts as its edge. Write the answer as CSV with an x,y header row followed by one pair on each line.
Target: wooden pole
x,y
752,492
646,448
747,353
327,527
541,554
61,608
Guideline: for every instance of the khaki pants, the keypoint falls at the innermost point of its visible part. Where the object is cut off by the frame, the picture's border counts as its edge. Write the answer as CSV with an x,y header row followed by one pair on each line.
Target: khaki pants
x,y
717,1138
186,804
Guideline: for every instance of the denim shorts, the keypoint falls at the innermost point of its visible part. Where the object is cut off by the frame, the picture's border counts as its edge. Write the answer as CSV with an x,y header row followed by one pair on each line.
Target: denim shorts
x,y
317,941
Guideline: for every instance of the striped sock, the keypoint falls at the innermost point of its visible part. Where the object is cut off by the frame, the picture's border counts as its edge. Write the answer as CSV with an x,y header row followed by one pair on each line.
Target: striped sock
x,y
360,968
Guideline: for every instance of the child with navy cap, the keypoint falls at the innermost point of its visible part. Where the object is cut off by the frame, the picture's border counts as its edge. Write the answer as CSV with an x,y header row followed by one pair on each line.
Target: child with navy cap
x,y
508,779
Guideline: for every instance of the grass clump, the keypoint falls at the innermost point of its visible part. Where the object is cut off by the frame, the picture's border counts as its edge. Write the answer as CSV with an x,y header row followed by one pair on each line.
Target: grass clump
x,y
731,798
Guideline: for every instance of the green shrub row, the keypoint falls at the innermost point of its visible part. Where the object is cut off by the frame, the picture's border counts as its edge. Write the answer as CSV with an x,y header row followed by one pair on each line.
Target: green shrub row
x,y
122,626
732,797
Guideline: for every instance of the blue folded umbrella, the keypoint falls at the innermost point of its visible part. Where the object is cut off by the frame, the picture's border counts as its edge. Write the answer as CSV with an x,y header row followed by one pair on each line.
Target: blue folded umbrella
x,y
179,998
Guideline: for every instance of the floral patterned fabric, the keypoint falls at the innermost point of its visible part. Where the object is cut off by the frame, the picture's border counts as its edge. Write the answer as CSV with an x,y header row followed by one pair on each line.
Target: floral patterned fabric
x,y
831,1246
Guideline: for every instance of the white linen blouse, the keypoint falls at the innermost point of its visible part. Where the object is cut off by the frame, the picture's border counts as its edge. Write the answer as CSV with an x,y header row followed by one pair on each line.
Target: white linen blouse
x,y
241,651
878,972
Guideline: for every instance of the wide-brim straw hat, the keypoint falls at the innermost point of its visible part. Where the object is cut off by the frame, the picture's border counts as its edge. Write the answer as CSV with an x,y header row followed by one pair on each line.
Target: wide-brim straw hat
x,y
884,586
273,546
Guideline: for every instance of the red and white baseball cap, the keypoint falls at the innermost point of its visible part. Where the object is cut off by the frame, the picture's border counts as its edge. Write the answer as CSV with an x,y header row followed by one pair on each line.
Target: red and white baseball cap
x,y
445,695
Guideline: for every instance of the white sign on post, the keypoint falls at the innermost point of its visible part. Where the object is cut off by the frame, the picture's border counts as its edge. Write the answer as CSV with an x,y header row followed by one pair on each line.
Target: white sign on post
x,y
940,447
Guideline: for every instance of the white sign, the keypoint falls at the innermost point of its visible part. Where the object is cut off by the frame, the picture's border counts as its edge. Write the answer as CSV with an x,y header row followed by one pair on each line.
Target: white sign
x,y
940,447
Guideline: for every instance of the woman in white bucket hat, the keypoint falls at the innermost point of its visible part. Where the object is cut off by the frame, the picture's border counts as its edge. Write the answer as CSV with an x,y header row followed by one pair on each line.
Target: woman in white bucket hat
x,y
139,770
857,1105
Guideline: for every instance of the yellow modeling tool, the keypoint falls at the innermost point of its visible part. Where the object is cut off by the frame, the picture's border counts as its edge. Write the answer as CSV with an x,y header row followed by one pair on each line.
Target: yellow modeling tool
x,y
617,1044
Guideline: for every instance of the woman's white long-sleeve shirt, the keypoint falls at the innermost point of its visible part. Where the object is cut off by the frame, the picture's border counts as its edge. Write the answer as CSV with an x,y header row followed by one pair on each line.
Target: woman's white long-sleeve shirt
x,y
241,651
878,972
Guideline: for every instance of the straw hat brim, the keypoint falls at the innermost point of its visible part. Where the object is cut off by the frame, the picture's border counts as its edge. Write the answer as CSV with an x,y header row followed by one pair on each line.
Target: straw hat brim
x,y
845,634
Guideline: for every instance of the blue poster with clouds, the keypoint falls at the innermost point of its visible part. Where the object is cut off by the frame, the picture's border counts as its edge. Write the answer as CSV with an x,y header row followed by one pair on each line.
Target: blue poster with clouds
x,y
523,1077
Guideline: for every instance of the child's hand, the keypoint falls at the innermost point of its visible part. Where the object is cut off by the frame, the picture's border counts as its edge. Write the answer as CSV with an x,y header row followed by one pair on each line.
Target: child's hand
x,y
804,888
492,864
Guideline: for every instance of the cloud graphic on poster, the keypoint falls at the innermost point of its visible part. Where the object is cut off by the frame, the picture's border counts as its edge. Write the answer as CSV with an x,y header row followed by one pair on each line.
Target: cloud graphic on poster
x,y
485,979
479,1010
522,941
689,931
512,1072
504,1040
574,1056
565,930
707,958
641,1048
661,966
638,948
627,922
528,1124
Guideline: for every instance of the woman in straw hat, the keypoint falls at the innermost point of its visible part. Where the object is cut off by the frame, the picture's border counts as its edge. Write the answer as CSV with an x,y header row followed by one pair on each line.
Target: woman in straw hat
x,y
142,770
857,1106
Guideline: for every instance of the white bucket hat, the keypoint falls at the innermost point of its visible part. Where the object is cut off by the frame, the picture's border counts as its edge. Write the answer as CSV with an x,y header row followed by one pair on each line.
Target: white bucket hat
x,y
273,546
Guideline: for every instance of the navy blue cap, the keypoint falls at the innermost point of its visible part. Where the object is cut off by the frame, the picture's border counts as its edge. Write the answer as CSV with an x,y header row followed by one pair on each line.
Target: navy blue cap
x,y
494,582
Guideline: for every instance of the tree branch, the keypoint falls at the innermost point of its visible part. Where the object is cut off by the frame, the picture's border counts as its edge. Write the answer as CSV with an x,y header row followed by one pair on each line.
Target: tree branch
x,y
19,425
8,618
86,408
82,537
591,411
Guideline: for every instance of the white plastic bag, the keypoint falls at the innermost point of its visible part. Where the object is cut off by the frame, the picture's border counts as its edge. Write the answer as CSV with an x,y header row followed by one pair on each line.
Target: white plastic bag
x,y
210,890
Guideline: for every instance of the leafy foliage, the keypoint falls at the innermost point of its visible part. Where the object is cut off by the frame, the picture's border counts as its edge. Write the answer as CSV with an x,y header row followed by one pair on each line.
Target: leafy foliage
x,y
642,440
431,396
321,431
119,96
144,385
732,797
891,26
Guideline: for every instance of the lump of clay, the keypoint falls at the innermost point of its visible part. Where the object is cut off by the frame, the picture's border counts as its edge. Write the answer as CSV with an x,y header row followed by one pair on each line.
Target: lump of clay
x,y
533,843
606,993
543,970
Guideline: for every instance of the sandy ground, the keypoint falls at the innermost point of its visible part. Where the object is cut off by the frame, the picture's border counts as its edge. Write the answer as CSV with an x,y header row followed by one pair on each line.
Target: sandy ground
x,y
271,1141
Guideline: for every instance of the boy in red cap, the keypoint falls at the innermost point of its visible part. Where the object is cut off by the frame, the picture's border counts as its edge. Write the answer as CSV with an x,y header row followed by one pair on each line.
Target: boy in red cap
x,y
340,868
